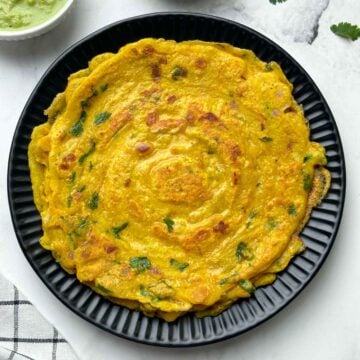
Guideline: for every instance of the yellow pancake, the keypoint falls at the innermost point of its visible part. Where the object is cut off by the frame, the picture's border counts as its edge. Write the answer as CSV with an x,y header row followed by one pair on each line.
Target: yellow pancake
x,y
175,177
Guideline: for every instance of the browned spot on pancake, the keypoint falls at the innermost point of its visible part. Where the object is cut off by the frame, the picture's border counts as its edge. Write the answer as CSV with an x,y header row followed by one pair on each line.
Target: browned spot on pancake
x,y
234,152
127,182
171,99
85,253
209,116
235,178
155,271
221,227
111,248
69,158
190,117
199,294
289,110
67,162
76,195
201,63
64,166
148,50
172,125
195,242
152,118
125,271
242,89
135,209
155,72
143,148
234,105
147,93
119,120
163,60
178,182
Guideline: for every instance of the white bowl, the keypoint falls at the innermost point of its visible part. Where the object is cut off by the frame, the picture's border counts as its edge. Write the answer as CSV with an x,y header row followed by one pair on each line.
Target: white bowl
x,y
41,28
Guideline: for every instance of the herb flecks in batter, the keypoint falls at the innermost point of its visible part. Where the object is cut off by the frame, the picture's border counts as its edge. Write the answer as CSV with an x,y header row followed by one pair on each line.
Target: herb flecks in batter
x,y
140,263
82,223
266,139
104,87
272,224
169,223
69,201
247,286
72,177
268,67
93,203
86,102
77,129
80,227
292,210
101,117
103,289
178,264
144,291
252,216
118,229
243,252
225,280
81,189
307,182
84,157
307,158
178,72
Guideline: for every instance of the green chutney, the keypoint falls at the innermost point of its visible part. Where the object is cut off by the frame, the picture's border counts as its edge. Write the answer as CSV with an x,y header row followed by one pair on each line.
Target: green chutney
x,y
25,14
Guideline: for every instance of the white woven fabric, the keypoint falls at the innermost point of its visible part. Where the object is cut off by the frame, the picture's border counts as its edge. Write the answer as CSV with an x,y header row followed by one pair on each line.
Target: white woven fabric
x,y
24,333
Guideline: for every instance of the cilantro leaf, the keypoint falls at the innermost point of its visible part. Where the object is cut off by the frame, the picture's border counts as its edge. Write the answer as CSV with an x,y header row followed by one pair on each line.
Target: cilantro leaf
x,y
169,223
274,2
247,286
72,177
118,229
103,289
101,117
77,129
266,139
104,87
178,72
88,153
94,201
292,211
346,30
307,181
243,252
140,263
178,264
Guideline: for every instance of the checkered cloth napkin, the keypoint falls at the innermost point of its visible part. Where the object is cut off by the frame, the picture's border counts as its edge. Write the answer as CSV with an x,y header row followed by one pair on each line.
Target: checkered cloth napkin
x,y
24,333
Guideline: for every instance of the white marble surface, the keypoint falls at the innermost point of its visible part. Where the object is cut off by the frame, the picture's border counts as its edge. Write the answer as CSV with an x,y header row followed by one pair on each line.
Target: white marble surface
x,y
324,321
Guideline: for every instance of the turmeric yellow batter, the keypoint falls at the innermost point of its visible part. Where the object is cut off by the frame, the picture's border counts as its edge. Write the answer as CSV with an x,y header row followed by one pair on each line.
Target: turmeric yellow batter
x,y
175,177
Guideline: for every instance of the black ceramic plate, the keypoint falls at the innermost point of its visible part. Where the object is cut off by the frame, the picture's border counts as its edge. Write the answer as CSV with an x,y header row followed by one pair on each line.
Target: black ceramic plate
x,y
318,235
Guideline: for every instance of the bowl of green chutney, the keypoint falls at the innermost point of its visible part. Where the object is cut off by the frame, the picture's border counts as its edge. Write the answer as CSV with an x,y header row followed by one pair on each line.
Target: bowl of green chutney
x,y
23,19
